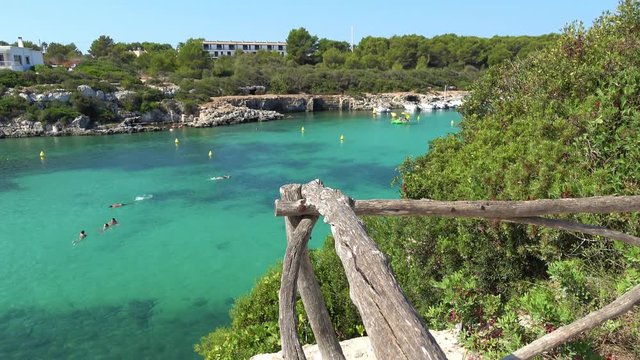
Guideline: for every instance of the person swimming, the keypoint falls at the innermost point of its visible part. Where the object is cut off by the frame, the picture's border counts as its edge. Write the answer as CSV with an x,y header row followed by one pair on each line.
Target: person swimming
x,y
117,205
113,221
80,237
220,177
105,227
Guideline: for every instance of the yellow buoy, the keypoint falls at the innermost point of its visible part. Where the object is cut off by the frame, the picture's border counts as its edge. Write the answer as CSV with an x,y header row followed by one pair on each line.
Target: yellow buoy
x,y
42,155
341,137
177,141
210,153
302,129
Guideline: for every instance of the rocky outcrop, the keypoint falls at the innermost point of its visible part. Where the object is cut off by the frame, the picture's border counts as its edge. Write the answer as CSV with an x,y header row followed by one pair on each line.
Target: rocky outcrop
x,y
302,103
227,110
227,114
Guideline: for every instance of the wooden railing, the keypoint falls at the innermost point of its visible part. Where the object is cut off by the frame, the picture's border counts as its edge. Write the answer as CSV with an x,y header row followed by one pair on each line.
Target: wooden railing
x,y
394,327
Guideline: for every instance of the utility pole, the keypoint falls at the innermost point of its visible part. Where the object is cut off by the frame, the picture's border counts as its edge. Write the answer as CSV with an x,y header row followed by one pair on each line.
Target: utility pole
x,y
351,38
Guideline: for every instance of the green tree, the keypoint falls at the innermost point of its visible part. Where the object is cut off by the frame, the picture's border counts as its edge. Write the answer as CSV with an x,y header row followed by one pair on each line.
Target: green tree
x,y
498,54
192,59
422,63
326,44
333,58
59,54
102,46
302,46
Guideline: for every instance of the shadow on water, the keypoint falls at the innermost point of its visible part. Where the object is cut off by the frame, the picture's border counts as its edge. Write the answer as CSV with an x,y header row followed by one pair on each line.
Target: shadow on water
x,y
132,331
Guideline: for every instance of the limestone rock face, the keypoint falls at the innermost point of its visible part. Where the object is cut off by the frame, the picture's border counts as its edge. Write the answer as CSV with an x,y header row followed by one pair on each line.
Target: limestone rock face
x,y
86,91
155,115
62,96
123,95
81,122
227,114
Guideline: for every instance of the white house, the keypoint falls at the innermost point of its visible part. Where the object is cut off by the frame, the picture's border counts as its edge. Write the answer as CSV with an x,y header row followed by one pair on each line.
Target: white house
x,y
227,48
19,58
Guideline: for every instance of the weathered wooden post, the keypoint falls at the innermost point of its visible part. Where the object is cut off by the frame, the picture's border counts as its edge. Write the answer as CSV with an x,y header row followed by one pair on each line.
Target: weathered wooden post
x,y
297,270
395,329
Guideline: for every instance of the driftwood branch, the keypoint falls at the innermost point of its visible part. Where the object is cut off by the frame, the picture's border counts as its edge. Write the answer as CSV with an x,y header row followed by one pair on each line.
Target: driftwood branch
x,y
577,227
483,209
395,328
618,307
309,289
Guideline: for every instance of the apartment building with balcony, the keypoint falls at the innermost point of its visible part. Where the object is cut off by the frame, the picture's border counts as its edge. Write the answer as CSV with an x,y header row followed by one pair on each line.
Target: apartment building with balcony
x,y
227,48
19,58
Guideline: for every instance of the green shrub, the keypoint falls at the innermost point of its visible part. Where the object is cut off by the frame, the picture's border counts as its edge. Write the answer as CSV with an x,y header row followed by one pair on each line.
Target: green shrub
x,y
57,112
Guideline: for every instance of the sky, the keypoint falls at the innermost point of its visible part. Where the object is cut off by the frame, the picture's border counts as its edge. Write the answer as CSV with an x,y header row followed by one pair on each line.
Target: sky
x,y
81,22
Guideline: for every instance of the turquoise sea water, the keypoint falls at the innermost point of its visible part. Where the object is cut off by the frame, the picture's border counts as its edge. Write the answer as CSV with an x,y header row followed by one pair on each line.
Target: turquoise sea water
x,y
167,274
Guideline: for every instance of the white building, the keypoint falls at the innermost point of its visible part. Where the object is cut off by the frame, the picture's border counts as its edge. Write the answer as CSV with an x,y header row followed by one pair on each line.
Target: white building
x,y
19,58
227,48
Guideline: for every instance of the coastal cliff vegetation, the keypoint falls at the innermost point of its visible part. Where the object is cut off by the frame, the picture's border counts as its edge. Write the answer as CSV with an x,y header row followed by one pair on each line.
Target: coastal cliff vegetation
x,y
561,122
312,66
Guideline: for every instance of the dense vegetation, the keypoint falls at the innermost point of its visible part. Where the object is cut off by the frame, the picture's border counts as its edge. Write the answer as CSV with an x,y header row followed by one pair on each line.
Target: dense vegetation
x,y
401,63
562,122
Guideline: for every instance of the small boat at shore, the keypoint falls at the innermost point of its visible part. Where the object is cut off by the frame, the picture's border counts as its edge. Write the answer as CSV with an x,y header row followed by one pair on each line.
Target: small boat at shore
x,y
381,109
411,107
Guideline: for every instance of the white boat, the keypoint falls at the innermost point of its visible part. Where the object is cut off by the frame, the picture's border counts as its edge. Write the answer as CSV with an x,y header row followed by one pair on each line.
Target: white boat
x,y
455,103
381,109
427,106
411,107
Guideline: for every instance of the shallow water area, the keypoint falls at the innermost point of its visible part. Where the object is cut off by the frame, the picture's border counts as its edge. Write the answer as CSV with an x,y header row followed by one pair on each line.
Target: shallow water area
x,y
185,244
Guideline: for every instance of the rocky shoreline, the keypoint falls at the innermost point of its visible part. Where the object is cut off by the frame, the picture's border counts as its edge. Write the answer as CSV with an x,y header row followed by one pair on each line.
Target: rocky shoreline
x,y
219,111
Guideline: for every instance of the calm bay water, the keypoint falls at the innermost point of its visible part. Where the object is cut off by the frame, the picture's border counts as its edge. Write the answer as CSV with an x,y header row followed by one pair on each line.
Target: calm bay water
x,y
167,274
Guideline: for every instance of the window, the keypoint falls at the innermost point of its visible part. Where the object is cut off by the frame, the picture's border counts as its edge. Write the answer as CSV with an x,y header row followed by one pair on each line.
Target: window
x,y
17,59
215,54
269,47
232,47
245,47
206,46
228,52
256,47
280,47
27,60
1,58
219,46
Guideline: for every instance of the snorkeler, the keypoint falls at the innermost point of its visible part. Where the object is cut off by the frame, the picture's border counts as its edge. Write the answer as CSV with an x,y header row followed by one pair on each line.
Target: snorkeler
x,y
117,205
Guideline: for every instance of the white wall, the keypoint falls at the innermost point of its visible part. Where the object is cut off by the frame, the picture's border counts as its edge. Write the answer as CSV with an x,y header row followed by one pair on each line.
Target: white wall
x,y
10,52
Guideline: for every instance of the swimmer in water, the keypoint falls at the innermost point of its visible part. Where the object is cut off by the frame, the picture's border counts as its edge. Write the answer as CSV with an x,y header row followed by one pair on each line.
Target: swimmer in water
x,y
105,227
113,221
80,237
221,177
117,205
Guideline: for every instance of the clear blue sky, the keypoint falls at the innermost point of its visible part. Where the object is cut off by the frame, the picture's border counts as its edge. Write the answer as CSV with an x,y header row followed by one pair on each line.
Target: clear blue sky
x,y
171,22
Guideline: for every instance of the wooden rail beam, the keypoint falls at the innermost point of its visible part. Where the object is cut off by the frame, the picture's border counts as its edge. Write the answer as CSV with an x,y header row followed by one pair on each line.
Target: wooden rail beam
x,y
482,209
561,335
